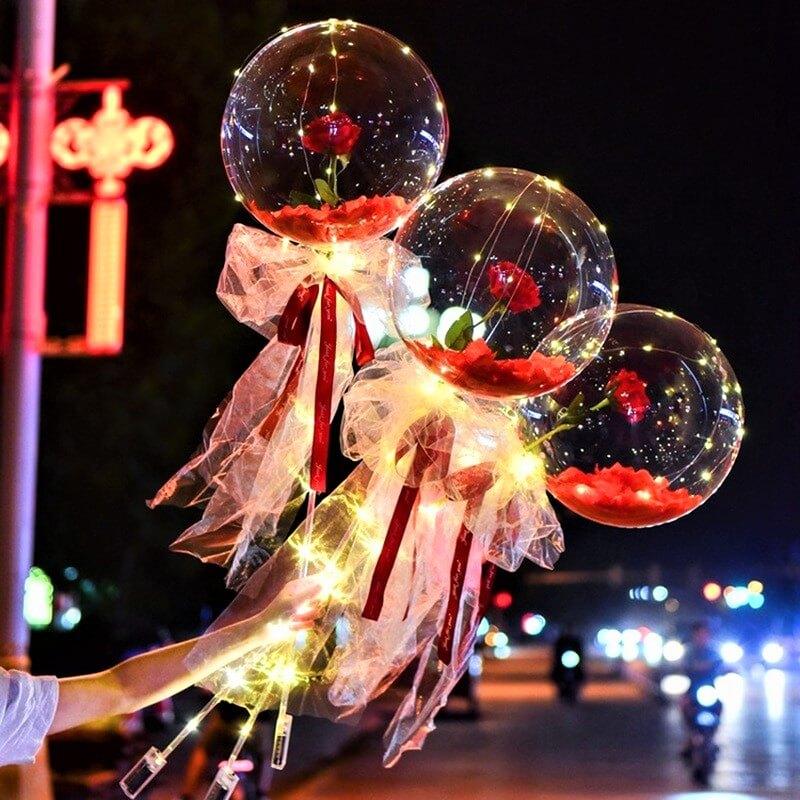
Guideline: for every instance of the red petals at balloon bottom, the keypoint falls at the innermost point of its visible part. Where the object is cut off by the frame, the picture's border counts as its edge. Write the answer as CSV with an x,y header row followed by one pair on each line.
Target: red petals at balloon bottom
x,y
362,218
621,496
478,369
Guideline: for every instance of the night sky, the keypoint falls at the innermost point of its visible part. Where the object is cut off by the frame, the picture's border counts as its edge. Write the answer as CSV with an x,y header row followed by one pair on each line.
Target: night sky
x,y
671,122
669,119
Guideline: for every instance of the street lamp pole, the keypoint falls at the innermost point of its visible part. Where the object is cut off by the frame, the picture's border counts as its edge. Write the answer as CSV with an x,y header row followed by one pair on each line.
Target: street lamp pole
x,y
23,332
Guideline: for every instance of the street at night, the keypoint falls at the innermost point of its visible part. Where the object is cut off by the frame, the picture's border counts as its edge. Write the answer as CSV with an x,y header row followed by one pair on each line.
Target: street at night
x,y
614,744
402,383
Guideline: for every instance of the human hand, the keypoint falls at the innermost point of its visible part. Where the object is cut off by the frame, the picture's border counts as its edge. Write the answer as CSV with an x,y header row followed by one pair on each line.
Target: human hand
x,y
297,607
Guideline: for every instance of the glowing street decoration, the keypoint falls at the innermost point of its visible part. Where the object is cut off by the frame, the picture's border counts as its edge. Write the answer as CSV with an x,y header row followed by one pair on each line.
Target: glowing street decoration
x,y
4,144
111,144
105,304
109,147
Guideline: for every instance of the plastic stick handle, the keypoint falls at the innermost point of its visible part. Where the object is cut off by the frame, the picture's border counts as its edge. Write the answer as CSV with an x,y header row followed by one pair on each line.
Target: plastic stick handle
x,y
280,745
140,775
224,783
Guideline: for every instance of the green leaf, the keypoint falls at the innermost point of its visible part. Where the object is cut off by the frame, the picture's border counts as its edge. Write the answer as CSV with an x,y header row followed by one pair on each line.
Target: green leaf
x,y
302,199
577,404
574,412
325,192
459,334
436,344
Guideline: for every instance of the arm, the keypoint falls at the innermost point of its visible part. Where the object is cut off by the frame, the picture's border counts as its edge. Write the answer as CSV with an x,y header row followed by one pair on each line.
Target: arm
x,y
150,677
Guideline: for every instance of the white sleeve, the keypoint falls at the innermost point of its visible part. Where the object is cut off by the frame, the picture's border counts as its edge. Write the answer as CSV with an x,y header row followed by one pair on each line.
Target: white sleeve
x,y
27,707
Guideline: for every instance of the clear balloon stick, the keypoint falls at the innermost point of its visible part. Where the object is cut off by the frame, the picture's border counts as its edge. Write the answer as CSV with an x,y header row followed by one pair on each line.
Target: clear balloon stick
x,y
192,725
226,778
283,733
154,760
283,722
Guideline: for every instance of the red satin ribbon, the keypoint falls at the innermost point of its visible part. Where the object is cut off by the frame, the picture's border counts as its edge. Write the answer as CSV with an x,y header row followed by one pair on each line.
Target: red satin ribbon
x,y
488,572
293,327
391,547
458,572
324,390
487,580
287,395
470,484
432,438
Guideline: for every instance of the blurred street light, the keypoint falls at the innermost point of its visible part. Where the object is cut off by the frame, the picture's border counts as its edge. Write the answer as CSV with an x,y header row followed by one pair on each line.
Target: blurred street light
x,y
731,652
533,624
673,650
712,592
772,652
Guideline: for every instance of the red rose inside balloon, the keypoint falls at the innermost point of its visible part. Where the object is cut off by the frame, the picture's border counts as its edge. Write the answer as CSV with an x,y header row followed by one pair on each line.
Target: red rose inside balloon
x,y
628,395
509,283
334,133
515,277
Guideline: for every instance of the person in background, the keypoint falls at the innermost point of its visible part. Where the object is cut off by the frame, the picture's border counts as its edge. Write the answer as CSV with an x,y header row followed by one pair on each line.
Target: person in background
x,y
702,663
32,707
567,671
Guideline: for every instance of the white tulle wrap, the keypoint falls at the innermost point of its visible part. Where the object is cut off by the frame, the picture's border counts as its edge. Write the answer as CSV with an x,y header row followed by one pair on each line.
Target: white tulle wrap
x,y
250,484
477,475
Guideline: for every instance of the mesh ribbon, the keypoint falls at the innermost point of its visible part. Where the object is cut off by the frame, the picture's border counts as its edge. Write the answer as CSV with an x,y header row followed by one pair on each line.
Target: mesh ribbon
x,y
279,411
478,499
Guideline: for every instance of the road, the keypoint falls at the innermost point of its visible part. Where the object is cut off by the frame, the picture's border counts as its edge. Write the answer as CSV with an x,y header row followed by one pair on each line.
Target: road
x,y
615,744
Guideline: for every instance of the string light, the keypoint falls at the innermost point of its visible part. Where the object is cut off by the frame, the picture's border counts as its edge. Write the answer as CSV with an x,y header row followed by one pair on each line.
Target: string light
x,y
338,262
284,674
5,143
329,580
429,510
234,678
365,515
278,631
525,465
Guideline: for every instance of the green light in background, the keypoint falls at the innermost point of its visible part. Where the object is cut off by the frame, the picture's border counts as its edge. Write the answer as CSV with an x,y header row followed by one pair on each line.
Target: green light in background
x,y
37,605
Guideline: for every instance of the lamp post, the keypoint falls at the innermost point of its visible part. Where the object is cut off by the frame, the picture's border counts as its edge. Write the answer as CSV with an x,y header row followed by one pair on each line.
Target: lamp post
x,y
29,185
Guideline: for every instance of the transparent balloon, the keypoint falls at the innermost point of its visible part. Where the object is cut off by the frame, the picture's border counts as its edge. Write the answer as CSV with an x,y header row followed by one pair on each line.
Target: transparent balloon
x,y
331,131
649,430
515,287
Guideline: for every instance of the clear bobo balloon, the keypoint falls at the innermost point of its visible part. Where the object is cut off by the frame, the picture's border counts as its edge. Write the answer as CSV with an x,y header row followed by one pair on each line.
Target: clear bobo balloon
x,y
331,131
515,286
649,430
